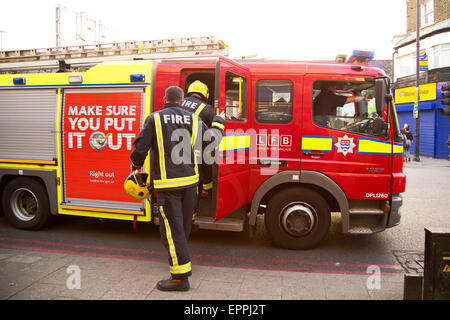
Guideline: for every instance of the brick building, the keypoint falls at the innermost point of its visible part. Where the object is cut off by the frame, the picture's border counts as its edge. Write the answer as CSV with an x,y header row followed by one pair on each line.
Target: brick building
x,y
435,62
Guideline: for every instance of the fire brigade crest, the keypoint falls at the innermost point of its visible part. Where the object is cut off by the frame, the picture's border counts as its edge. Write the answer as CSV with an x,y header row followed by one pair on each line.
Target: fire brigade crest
x,y
345,145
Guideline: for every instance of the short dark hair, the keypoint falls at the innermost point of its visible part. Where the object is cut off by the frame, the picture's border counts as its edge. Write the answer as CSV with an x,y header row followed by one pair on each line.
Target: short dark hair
x,y
174,94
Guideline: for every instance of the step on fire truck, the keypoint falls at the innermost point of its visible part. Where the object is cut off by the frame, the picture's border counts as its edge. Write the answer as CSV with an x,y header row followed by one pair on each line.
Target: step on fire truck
x,y
68,118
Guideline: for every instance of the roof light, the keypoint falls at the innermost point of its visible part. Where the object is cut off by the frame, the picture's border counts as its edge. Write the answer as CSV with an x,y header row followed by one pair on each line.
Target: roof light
x,y
361,57
20,81
137,77
76,79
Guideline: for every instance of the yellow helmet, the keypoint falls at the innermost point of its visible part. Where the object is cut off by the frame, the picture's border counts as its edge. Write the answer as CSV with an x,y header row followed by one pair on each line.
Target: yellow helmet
x,y
199,87
136,186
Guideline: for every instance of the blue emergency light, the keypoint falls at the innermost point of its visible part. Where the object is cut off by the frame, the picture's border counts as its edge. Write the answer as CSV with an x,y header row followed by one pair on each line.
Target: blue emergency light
x,y
137,77
20,81
361,57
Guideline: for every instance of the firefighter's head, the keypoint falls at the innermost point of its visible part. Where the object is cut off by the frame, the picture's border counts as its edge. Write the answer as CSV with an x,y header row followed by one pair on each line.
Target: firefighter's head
x,y
199,88
136,186
328,86
173,94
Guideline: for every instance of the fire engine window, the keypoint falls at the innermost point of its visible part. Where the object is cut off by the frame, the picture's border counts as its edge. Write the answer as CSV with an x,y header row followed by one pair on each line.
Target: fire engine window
x,y
337,105
235,97
274,101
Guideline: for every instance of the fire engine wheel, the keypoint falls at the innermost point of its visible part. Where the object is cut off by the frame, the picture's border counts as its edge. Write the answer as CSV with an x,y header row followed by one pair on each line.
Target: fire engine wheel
x,y
297,218
25,204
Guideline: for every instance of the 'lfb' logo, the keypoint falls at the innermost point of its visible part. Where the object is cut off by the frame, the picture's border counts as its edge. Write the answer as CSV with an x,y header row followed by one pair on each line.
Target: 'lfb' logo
x,y
274,140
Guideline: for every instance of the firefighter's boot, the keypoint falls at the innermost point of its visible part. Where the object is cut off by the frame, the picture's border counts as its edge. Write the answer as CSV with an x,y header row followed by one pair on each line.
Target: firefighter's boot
x,y
173,285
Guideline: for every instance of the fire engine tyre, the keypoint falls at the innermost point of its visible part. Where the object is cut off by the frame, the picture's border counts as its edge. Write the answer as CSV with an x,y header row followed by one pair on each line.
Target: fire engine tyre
x,y
297,218
25,204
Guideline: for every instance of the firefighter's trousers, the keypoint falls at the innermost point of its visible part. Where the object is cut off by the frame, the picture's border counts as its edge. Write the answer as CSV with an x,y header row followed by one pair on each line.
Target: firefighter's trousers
x,y
175,219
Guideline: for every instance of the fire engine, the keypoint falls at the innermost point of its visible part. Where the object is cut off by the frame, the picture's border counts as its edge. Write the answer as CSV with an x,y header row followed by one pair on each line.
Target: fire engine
x,y
68,117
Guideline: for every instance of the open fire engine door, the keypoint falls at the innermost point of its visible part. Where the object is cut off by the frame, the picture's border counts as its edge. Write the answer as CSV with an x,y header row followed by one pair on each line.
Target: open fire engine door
x,y
231,173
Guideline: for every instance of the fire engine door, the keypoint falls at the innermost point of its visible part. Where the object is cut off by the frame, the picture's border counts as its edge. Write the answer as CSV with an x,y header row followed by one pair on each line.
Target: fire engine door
x,y
231,170
99,126
342,142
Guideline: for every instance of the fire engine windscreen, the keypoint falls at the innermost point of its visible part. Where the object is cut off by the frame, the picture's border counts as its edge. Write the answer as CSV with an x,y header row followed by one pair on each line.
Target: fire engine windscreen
x,y
332,108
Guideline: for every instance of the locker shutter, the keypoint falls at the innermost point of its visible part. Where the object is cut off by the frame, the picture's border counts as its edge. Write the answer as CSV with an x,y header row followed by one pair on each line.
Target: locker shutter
x,y
97,142
27,124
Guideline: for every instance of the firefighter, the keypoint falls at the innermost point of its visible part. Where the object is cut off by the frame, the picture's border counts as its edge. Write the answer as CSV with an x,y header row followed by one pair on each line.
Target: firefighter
x,y
197,96
328,100
175,177
196,102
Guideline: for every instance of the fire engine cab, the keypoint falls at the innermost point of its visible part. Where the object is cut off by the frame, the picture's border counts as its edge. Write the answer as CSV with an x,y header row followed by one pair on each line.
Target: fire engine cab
x,y
66,134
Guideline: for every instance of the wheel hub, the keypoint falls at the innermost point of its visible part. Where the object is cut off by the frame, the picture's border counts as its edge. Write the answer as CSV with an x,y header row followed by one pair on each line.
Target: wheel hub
x,y
298,219
24,204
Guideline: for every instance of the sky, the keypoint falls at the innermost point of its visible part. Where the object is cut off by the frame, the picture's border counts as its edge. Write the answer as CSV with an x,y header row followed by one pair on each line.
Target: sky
x,y
277,29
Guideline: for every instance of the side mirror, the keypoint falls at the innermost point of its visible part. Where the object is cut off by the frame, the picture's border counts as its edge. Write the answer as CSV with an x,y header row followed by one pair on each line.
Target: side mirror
x,y
380,95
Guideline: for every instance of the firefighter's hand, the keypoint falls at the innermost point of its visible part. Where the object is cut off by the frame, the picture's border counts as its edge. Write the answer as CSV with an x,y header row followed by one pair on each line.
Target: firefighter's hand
x,y
237,114
222,115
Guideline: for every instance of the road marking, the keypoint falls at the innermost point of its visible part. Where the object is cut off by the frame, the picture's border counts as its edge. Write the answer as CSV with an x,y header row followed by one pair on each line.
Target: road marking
x,y
66,248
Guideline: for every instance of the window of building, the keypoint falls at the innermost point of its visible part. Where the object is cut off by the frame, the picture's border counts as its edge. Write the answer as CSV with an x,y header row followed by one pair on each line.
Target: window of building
x,y
274,101
427,13
405,65
439,56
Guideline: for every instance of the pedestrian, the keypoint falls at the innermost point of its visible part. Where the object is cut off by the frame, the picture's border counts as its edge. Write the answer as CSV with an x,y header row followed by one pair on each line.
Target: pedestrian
x,y
175,177
448,143
407,139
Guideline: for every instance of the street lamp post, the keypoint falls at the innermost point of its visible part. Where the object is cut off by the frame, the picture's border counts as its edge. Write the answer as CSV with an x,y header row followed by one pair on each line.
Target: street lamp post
x,y
417,103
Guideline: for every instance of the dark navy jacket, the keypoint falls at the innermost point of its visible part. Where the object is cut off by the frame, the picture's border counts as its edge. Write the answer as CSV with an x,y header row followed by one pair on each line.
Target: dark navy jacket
x,y
203,110
175,137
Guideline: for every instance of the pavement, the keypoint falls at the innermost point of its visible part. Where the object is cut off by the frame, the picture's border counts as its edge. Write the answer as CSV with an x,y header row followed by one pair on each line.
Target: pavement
x,y
27,274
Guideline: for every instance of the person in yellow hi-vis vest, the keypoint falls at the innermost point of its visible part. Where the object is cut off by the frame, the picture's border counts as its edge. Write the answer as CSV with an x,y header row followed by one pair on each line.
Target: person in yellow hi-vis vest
x,y
175,137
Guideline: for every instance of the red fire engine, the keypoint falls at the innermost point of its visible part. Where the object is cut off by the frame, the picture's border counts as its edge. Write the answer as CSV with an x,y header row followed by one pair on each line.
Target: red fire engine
x,y
65,138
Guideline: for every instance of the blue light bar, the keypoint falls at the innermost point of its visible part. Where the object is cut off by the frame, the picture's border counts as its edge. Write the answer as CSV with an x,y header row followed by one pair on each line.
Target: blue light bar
x,y
140,77
20,81
361,57
363,54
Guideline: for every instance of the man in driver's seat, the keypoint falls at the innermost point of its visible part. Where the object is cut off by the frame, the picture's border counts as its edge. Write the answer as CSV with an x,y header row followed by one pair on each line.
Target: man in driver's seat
x,y
327,101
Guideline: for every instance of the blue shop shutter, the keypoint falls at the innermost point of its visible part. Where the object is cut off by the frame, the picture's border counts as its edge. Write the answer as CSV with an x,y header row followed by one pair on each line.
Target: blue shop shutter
x,y
427,132
442,132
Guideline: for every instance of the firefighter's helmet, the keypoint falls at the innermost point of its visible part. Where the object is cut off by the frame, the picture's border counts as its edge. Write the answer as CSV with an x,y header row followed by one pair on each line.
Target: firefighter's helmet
x,y
199,87
136,186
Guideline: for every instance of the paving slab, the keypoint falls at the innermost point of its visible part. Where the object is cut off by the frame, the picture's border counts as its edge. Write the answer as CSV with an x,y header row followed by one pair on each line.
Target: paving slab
x,y
26,275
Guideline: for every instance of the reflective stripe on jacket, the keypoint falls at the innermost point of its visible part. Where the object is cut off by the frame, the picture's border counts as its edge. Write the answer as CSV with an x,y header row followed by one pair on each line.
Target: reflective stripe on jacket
x,y
203,110
175,137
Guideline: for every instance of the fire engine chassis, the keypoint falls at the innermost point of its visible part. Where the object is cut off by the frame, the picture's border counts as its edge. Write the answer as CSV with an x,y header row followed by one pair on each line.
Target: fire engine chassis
x,y
65,138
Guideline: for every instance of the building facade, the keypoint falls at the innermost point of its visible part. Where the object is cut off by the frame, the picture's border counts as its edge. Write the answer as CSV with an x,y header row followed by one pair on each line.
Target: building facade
x,y
434,61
